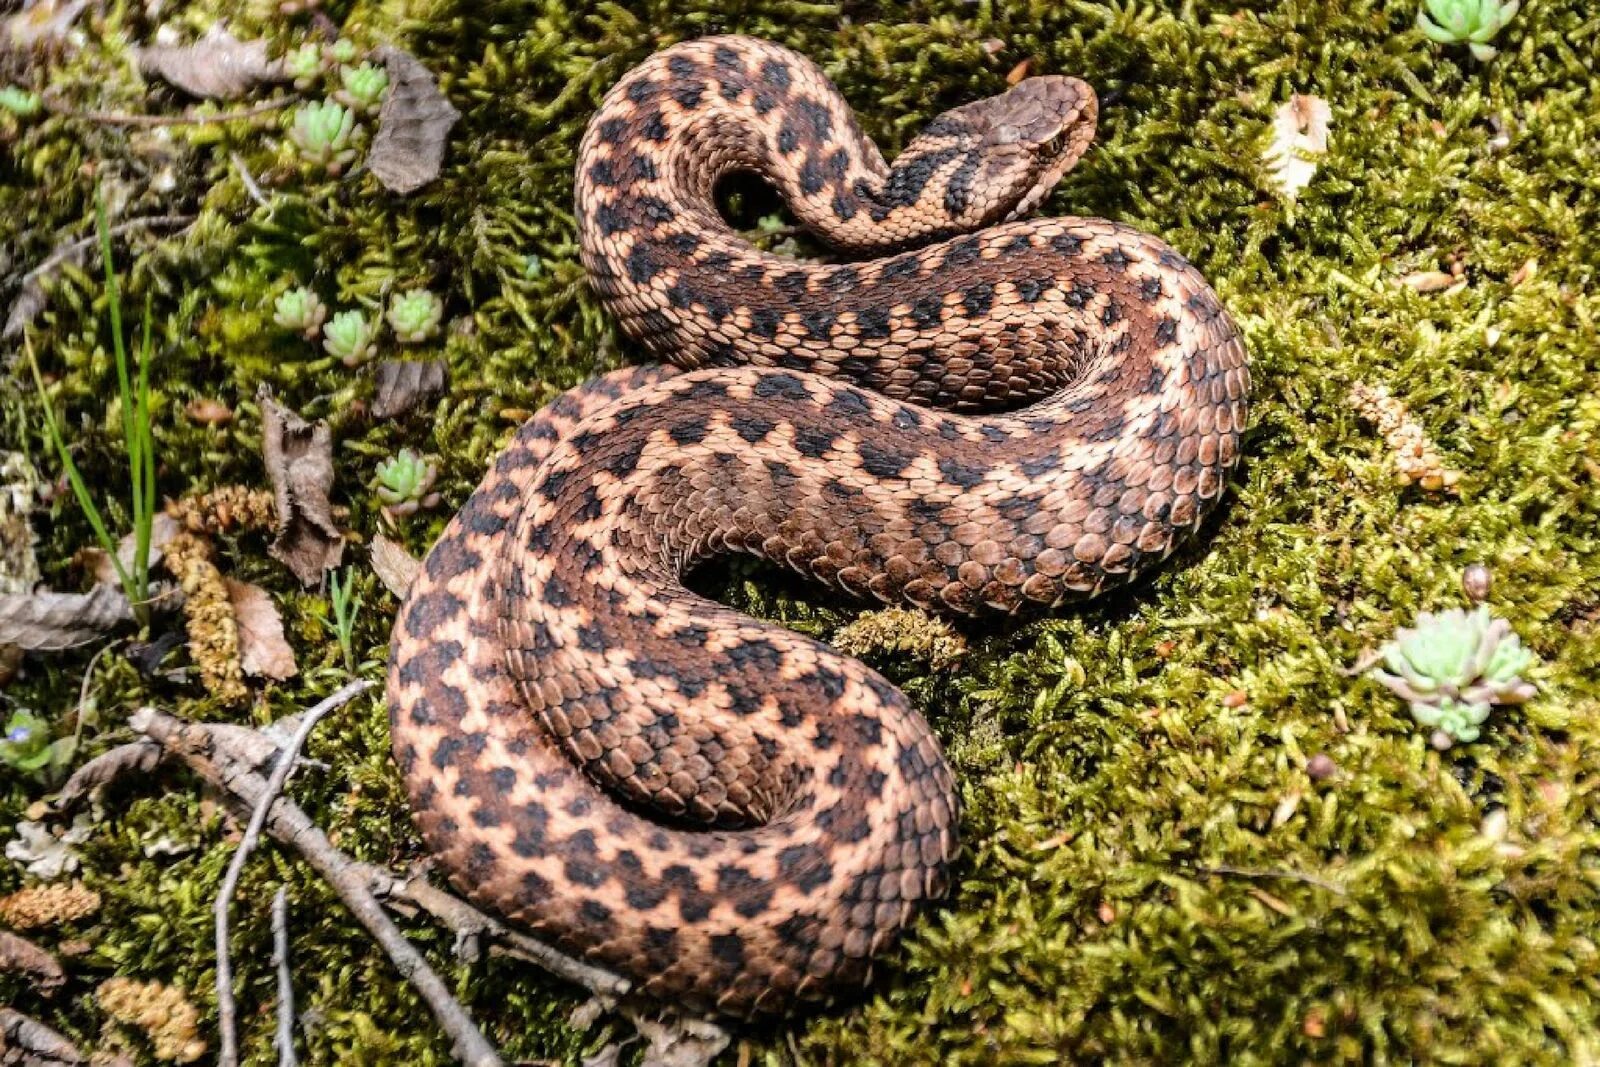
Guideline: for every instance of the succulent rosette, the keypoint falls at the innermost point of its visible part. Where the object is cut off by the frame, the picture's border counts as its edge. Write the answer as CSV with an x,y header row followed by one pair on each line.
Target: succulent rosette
x,y
1470,22
323,132
405,483
415,315
349,336
301,311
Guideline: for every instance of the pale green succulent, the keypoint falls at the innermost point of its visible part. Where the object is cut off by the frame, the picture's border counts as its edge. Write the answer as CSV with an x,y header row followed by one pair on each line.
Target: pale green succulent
x,y
405,483
362,87
1470,22
1453,721
304,65
20,102
323,131
348,335
300,310
1453,663
343,50
415,315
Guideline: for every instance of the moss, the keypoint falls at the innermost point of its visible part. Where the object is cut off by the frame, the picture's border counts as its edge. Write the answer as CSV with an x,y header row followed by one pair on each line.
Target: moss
x,y
1151,872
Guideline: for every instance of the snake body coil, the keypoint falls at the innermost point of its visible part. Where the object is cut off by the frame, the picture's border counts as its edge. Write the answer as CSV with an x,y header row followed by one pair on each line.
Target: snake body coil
x,y
734,816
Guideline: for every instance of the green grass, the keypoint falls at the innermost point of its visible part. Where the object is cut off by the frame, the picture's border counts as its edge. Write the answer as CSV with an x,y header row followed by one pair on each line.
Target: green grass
x,y
137,438
1150,874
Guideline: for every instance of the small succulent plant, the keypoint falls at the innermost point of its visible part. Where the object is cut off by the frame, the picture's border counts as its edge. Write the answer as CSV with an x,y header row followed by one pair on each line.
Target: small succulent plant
x,y
343,50
20,102
323,132
348,335
304,65
1451,667
362,87
405,483
415,315
1470,22
300,310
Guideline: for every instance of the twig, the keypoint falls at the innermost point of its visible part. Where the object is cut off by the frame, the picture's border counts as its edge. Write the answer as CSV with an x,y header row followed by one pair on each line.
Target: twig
x,y
249,180
202,749
1285,875
226,1008
32,1036
469,924
187,118
280,957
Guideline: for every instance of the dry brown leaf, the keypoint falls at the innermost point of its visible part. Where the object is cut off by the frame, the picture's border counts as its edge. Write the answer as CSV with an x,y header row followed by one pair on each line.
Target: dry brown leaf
x,y
46,621
395,567
21,956
218,66
299,460
138,757
413,126
263,652
403,384
98,563
37,1043
1299,134
1019,72
42,22
1429,281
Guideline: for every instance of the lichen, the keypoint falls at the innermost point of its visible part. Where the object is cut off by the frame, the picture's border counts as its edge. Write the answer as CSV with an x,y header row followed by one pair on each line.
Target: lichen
x,y
1120,761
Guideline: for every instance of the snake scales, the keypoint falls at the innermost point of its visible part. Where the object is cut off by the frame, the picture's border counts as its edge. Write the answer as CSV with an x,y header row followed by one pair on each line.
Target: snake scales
x,y
735,816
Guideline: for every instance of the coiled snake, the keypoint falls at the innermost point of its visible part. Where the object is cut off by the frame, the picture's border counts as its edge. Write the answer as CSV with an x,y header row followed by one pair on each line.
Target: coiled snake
x,y
734,816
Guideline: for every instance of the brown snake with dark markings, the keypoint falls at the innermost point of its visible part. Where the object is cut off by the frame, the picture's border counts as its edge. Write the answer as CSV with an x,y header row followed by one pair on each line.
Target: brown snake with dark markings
x,y
736,817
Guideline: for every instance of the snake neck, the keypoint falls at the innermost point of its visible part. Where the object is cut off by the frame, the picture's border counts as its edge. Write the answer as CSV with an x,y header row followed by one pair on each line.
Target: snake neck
x,y
701,110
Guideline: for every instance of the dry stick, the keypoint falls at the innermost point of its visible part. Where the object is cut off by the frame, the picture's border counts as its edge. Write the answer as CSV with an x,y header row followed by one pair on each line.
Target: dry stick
x,y
197,746
188,118
249,180
1223,870
280,956
66,251
226,1009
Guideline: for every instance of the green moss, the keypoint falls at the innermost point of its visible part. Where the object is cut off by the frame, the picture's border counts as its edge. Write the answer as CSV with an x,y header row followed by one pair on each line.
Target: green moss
x,y
1151,874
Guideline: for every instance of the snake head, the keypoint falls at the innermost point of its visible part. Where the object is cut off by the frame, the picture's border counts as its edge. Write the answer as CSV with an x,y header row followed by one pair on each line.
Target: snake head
x,y
996,159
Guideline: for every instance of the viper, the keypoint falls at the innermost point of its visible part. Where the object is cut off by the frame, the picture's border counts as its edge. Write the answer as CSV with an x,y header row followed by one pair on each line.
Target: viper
x,y
971,413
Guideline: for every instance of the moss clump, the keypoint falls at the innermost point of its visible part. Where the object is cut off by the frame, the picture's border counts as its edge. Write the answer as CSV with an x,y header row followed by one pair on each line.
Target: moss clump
x,y
1156,869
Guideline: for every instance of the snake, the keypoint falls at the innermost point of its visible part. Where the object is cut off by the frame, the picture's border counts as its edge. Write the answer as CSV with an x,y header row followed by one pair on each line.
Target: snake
x,y
963,410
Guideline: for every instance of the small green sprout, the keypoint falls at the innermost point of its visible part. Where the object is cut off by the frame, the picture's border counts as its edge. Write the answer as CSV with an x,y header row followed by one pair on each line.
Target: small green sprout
x,y
343,50
1451,667
362,87
346,605
405,483
322,132
20,102
300,310
348,335
415,315
28,748
1470,22
304,65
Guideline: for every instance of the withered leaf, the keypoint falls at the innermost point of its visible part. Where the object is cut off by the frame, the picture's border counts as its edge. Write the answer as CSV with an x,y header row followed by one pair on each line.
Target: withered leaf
x,y
36,1041
1299,136
299,461
138,757
396,568
413,126
47,621
98,563
404,383
263,652
218,66
21,956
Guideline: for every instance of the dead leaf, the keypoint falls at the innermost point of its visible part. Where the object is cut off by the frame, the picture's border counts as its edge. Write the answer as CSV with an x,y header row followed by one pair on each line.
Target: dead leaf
x,y
98,563
396,568
43,22
263,652
1429,281
299,460
403,384
208,411
1019,72
1299,134
21,956
218,66
413,126
46,621
138,757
